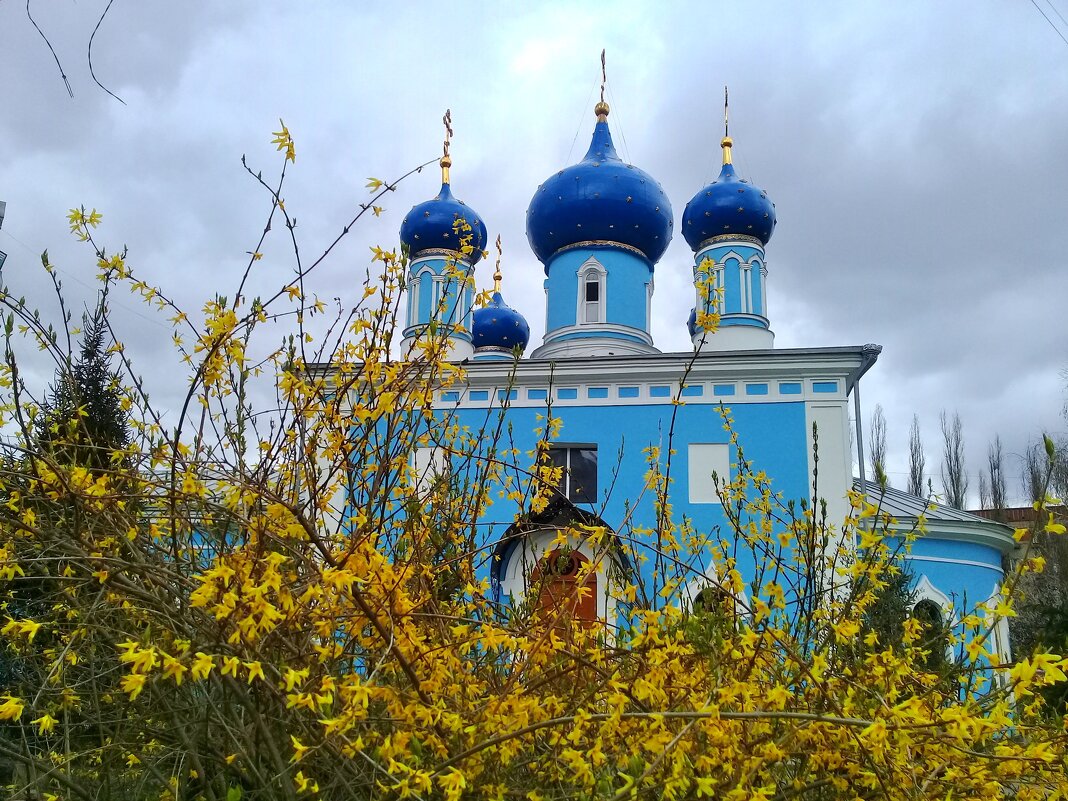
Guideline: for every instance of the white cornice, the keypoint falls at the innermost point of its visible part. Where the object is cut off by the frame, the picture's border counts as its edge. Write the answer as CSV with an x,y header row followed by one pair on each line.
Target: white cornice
x,y
989,533
598,328
766,365
815,363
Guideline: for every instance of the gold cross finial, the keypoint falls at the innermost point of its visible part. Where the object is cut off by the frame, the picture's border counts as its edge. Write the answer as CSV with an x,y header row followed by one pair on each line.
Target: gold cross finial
x,y
726,119
497,272
604,75
446,159
727,142
601,109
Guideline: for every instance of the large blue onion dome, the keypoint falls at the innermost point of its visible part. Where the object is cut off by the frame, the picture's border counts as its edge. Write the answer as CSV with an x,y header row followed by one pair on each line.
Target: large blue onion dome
x,y
600,199
432,223
728,205
498,326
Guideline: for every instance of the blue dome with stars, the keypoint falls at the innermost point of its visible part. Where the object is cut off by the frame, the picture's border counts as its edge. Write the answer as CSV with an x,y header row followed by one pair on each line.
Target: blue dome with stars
x,y
499,326
728,205
431,224
600,199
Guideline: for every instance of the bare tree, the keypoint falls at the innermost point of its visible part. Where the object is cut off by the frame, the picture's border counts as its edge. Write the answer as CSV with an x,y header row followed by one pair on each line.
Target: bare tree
x,y
877,445
954,477
984,491
996,474
917,460
1033,477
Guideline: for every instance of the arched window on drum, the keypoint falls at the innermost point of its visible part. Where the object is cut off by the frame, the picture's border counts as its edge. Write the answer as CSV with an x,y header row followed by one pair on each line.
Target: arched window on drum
x,y
934,636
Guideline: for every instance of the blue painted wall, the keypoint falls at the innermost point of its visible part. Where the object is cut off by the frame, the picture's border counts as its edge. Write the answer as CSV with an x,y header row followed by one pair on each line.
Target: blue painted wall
x,y
458,302
733,279
773,436
626,287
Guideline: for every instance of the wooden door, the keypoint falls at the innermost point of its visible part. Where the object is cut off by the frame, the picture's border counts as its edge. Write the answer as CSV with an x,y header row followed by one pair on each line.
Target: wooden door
x,y
556,581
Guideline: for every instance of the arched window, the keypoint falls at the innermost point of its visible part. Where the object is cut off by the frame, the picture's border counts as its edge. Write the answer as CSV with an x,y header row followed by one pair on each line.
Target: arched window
x,y
746,289
714,600
591,293
934,637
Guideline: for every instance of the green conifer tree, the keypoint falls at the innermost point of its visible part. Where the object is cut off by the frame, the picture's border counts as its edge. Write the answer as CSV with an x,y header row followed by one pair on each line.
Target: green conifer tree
x,y
83,422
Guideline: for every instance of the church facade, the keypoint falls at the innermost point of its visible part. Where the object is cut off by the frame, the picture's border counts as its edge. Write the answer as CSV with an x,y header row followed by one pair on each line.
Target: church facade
x,y
599,228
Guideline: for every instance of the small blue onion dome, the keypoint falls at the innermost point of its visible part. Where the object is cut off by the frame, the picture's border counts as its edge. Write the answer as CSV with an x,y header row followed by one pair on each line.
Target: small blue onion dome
x,y
498,326
432,223
691,323
728,205
600,199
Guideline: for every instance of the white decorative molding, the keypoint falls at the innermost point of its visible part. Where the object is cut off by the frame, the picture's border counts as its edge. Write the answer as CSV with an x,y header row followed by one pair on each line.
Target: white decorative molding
x,y
649,304
746,289
925,590
730,254
949,561
556,348
1000,631
563,342
693,587
535,546
719,286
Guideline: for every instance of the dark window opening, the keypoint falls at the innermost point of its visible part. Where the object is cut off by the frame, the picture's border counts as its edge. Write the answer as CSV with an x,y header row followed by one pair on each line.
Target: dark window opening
x,y
928,613
578,466
593,291
714,600
934,638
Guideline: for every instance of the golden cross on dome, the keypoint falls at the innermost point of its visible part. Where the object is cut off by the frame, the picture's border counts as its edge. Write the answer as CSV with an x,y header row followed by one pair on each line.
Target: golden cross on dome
x,y
446,159
726,119
497,272
604,75
601,109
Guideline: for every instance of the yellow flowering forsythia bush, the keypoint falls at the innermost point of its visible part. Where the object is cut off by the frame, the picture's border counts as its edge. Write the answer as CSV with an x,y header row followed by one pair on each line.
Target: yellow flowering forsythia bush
x,y
271,606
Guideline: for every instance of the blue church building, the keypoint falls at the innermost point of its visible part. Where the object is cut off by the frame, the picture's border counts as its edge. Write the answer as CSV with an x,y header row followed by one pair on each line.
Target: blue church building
x,y
599,227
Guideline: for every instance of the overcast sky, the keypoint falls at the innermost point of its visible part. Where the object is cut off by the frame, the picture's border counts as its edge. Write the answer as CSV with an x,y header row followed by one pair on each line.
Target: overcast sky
x,y
917,154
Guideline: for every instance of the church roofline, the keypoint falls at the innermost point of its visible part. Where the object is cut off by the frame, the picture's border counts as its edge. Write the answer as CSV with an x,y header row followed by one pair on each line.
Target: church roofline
x,y
851,362
940,521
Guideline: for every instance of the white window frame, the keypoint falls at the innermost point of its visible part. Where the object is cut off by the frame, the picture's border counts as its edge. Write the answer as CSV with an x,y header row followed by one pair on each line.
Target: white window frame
x,y
746,288
414,295
649,304
592,271
719,285
705,579
925,590
763,290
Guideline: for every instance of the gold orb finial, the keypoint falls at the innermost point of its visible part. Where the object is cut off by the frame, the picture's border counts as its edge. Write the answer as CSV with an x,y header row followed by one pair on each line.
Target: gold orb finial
x,y
601,110
726,143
